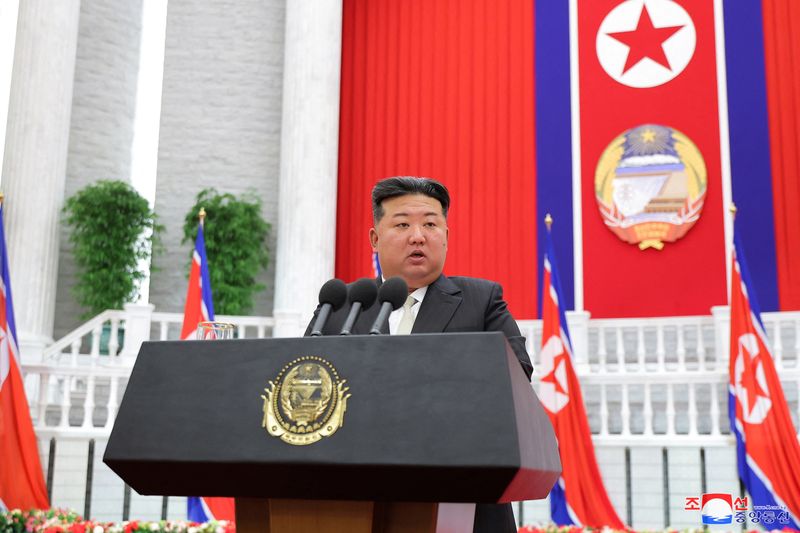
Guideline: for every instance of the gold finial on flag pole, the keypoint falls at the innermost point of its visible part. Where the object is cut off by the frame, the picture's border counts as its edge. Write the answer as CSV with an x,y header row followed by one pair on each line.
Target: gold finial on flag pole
x,y
2,197
202,215
548,221
733,210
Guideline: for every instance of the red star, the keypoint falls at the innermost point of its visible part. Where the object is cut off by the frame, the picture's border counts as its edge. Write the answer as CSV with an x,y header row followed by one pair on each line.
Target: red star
x,y
551,377
749,380
645,41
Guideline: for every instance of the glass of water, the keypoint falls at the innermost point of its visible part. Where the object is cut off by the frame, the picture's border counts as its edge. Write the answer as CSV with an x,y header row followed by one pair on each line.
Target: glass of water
x,y
208,331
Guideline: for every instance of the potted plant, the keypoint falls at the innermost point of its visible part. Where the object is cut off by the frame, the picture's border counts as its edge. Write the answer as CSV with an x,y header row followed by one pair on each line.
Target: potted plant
x,y
236,246
113,231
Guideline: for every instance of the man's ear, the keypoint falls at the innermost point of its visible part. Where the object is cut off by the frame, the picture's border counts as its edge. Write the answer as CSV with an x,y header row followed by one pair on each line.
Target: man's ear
x,y
373,239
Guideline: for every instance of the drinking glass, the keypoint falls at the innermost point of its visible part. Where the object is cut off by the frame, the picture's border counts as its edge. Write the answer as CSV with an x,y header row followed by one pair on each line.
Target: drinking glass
x,y
211,330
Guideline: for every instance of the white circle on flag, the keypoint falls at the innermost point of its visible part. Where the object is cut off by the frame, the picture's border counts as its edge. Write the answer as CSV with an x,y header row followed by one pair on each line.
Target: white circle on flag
x,y
646,43
754,409
553,388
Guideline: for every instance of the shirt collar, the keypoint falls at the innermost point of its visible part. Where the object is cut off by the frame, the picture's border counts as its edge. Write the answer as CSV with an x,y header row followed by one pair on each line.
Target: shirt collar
x,y
418,294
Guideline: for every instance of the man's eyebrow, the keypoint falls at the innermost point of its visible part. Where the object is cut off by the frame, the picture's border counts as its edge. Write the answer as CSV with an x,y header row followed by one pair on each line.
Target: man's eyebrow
x,y
428,214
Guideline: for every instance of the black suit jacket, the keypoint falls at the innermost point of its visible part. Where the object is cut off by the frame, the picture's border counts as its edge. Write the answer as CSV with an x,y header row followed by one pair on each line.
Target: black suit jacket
x,y
456,304
451,305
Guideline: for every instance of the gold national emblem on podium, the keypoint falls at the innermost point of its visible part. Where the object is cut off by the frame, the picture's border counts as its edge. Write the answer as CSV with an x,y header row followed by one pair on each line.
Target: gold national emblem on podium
x,y
650,185
306,402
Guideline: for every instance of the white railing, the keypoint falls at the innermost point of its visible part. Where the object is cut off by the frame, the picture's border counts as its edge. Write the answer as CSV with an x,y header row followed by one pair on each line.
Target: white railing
x,y
645,381
247,327
75,391
663,381
650,385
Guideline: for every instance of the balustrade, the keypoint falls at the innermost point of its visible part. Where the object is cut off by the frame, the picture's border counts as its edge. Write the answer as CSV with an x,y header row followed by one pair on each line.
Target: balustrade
x,y
644,380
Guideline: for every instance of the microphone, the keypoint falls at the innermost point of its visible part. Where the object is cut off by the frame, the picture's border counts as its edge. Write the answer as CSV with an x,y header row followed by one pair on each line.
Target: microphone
x,y
392,295
332,297
362,295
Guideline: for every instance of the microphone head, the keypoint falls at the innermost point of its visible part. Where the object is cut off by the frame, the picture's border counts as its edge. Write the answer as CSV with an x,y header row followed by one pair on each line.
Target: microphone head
x,y
395,291
364,291
334,292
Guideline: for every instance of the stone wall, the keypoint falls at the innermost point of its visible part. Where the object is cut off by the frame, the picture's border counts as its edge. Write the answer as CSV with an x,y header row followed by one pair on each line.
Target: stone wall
x,y
220,124
103,109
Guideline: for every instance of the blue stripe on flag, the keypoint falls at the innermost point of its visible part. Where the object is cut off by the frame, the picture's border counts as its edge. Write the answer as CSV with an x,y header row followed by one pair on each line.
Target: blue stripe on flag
x,y
558,506
553,136
753,299
760,494
12,325
200,248
195,511
555,281
751,176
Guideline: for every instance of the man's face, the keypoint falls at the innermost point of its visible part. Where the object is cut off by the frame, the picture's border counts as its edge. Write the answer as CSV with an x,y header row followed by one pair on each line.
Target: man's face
x,y
411,239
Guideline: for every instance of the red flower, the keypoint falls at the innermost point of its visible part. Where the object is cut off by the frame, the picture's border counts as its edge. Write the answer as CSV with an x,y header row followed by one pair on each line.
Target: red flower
x,y
131,526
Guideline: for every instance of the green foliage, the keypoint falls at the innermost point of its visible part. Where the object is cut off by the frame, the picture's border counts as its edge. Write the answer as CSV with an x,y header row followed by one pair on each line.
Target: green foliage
x,y
112,230
236,245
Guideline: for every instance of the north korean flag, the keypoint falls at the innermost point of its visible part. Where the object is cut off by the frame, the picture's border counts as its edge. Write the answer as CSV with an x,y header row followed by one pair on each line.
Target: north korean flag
x,y
768,453
199,307
21,476
579,496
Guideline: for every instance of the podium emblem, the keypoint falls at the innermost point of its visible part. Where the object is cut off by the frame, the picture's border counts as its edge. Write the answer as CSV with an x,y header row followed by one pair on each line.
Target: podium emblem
x,y
306,402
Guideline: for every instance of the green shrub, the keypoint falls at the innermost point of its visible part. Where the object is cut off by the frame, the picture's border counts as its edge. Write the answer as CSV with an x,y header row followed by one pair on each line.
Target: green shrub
x,y
112,230
236,246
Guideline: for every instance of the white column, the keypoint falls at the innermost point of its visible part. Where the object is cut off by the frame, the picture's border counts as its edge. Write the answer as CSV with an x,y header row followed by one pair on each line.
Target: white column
x,y
35,161
578,322
8,36
309,160
138,318
722,335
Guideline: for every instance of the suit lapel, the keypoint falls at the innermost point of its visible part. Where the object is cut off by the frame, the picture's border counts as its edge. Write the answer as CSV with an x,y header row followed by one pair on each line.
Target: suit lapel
x,y
441,301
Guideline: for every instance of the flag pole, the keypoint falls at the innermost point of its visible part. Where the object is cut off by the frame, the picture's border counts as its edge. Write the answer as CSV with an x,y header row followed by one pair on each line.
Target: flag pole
x,y
201,215
548,221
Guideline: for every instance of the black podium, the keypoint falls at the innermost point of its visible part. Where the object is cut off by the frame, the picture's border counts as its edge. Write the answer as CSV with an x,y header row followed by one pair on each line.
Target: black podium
x,y
342,430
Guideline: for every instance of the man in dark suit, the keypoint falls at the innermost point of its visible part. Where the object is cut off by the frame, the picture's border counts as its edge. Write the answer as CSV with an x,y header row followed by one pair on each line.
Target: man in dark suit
x,y
410,237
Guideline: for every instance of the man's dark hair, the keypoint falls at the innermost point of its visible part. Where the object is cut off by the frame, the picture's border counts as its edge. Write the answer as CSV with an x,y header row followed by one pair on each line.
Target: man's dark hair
x,y
402,185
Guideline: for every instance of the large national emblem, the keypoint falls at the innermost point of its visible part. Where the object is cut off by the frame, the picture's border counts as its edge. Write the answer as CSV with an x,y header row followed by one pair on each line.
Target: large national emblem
x,y
650,185
306,402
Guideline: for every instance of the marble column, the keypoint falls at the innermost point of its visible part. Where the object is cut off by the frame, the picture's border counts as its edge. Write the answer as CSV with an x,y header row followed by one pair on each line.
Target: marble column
x,y
309,160
35,161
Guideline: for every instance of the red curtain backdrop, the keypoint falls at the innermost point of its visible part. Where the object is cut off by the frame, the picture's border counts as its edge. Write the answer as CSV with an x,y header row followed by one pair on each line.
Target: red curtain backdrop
x,y
782,53
444,89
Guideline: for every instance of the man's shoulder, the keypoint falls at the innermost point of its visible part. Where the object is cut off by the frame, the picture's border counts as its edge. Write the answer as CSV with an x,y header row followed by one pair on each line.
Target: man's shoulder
x,y
473,284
